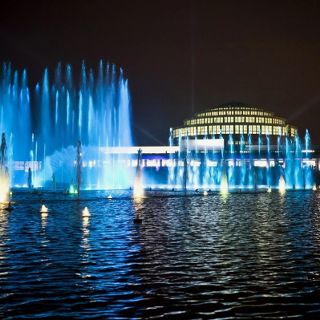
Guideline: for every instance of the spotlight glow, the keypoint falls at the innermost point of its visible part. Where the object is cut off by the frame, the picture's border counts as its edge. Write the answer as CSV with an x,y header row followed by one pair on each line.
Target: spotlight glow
x,y
4,185
72,189
224,187
44,209
85,212
138,190
282,185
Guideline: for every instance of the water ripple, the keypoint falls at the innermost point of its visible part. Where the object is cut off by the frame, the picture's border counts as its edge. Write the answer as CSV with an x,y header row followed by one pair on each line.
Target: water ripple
x,y
249,255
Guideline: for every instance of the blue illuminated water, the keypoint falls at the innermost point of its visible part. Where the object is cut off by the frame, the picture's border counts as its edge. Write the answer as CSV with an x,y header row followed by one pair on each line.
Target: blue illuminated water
x,y
44,124
246,165
238,255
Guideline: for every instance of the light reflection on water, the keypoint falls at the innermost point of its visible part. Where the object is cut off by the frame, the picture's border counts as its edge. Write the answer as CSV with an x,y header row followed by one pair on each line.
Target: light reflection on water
x,y
243,254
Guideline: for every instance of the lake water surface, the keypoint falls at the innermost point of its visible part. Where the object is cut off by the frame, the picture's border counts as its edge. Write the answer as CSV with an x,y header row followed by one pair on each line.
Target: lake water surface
x,y
238,255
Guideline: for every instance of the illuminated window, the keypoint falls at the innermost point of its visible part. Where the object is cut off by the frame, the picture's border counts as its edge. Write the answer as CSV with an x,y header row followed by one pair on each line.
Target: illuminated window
x,y
275,130
239,119
216,129
191,131
242,129
249,119
268,129
202,130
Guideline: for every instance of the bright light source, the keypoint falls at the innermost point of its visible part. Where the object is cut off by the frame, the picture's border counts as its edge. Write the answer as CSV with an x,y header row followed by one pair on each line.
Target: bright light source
x,y
85,212
282,185
44,209
224,187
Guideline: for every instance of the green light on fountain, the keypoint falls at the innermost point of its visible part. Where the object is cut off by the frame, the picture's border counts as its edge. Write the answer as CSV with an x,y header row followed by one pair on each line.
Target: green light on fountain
x,y
72,189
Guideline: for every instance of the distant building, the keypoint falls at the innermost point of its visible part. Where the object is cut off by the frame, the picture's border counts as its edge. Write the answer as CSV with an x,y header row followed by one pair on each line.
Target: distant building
x,y
232,119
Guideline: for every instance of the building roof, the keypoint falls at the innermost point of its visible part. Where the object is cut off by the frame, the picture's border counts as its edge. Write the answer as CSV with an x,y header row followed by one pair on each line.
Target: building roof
x,y
234,118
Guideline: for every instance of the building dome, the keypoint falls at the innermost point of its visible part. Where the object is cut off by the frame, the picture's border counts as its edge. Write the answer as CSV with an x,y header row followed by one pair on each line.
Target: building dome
x,y
236,119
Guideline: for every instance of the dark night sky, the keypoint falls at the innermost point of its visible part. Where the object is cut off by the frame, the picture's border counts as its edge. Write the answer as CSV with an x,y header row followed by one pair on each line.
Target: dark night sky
x,y
180,56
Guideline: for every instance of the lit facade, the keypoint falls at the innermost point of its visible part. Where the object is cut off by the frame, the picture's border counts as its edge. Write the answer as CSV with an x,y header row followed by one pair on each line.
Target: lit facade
x,y
234,119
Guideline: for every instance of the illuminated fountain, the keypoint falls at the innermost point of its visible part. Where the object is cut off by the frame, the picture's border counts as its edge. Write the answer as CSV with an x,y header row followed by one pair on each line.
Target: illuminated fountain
x,y
97,112
79,167
247,166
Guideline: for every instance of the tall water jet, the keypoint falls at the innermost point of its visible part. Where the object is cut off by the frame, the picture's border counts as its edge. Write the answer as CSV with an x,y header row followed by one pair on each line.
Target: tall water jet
x,y
79,167
268,171
252,177
185,174
309,183
171,169
97,112
289,167
231,164
14,101
243,169
298,173
205,170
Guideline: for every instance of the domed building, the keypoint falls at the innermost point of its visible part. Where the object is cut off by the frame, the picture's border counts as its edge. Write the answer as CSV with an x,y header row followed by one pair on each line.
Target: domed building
x,y
236,119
